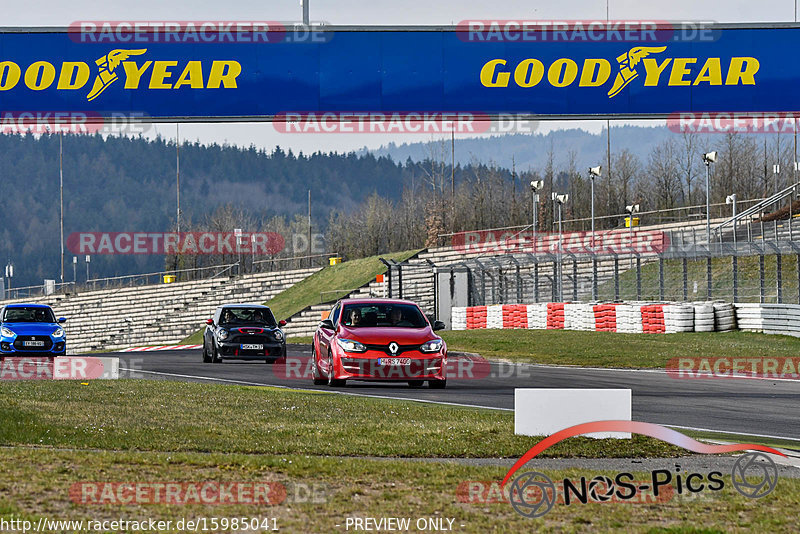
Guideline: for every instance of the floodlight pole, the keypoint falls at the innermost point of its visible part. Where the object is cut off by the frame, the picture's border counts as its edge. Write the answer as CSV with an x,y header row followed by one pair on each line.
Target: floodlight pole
x,y
560,257
61,195
708,203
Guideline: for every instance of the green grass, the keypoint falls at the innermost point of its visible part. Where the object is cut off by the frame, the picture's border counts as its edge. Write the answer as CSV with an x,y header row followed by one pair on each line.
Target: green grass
x,y
341,278
327,285
721,276
36,483
609,349
179,416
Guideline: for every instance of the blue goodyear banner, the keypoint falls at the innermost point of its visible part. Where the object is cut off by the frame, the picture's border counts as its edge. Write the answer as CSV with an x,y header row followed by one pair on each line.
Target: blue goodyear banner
x,y
741,69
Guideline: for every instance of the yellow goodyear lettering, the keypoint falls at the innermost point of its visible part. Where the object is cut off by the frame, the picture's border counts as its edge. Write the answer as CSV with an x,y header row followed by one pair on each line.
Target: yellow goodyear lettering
x,y
488,71
9,75
73,75
223,73
742,69
528,73
596,72
562,72
40,75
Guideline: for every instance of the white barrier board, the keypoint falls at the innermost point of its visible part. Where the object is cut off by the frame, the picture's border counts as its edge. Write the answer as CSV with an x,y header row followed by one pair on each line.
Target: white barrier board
x,y
541,412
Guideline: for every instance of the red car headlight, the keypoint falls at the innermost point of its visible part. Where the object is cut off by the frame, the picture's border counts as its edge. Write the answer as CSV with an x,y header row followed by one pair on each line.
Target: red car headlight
x,y
434,345
348,345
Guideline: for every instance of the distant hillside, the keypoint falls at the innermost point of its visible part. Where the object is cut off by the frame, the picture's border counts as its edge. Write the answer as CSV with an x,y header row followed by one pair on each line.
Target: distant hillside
x,y
128,184
529,151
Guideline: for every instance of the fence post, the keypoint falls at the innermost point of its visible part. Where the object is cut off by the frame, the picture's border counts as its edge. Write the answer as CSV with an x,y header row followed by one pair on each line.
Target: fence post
x,y
594,278
661,278
685,280
519,286
798,278
761,278
555,282
536,280
708,278
638,278
399,281
483,285
735,261
616,278
501,285
779,276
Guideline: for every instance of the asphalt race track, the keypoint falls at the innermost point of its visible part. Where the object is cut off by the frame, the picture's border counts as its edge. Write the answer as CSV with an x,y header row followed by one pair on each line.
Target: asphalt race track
x,y
752,406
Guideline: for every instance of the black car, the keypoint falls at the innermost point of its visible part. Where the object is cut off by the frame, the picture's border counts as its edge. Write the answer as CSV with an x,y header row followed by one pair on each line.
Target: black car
x,y
243,332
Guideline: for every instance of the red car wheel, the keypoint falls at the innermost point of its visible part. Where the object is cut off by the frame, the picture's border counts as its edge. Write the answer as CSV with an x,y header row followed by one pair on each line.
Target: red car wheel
x,y
332,380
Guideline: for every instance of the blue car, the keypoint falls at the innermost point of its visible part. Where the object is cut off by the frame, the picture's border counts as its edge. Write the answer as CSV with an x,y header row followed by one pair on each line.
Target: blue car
x,y
31,329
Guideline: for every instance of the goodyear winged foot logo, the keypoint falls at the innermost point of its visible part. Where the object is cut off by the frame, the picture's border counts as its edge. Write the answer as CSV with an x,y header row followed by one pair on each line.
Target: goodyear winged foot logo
x,y
132,67
107,64
627,66
648,62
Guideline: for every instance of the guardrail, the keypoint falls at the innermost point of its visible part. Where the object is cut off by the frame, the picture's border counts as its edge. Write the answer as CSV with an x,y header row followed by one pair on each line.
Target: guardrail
x,y
147,278
37,290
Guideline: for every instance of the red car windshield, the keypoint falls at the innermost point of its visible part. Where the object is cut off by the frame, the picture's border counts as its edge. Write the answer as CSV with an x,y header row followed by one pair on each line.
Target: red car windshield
x,y
383,315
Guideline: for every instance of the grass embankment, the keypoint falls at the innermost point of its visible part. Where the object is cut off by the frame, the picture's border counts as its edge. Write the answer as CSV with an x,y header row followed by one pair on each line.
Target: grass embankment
x,y
177,416
327,285
610,349
721,280
37,484
157,432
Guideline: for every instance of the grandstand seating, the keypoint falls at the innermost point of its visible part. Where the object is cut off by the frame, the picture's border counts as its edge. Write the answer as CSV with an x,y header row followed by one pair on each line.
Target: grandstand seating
x,y
115,318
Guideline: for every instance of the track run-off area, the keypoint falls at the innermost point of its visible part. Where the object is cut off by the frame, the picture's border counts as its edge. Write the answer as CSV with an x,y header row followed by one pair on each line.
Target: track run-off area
x,y
754,406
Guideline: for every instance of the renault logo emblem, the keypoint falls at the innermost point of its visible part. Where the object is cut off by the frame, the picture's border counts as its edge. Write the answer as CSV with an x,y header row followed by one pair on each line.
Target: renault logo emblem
x,y
393,347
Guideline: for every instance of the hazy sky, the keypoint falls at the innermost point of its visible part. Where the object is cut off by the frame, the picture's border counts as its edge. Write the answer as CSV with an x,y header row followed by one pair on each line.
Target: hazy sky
x,y
421,12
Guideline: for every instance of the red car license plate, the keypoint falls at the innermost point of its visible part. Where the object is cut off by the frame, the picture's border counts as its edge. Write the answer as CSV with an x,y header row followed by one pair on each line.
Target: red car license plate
x,y
395,361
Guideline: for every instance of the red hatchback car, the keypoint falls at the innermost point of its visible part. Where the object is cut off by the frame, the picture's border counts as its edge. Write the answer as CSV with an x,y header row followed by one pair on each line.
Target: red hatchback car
x,y
378,340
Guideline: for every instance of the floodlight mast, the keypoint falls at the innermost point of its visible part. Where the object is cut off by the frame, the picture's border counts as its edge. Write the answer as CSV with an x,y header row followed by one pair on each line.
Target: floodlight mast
x,y
708,159
536,186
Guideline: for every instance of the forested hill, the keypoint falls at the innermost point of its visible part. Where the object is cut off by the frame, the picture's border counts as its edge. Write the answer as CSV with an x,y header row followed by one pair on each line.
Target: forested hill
x,y
128,184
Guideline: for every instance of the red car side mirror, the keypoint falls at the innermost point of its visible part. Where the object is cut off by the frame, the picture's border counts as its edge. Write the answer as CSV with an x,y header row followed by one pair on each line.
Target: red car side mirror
x,y
281,323
209,321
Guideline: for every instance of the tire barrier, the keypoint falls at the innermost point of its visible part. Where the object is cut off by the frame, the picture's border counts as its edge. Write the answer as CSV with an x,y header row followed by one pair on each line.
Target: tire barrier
x,y
555,315
515,316
724,317
458,319
494,316
769,318
651,318
537,316
605,317
629,319
678,318
578,317
704,317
